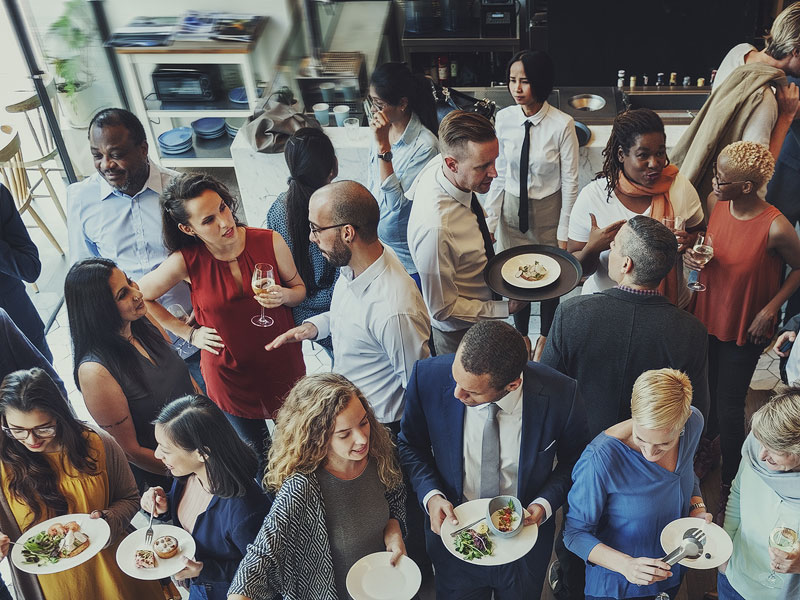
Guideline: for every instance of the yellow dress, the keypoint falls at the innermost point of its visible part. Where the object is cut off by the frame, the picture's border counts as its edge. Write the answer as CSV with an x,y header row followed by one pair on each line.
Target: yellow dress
x,y
99,577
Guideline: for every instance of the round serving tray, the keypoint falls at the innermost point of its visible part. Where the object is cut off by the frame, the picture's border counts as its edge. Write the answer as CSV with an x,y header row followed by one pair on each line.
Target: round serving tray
x,y
571,273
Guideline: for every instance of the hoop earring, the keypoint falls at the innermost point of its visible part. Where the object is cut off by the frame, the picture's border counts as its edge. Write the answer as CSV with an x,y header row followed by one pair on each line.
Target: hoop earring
x,y
668,162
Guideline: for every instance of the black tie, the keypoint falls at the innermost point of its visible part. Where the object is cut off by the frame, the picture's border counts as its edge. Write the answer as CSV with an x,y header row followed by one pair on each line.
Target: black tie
x,y
487,239
523,178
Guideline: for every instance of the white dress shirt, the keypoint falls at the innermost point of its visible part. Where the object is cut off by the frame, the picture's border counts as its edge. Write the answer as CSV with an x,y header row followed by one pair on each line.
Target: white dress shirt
x,y
552,164
509,419
447,247
379,328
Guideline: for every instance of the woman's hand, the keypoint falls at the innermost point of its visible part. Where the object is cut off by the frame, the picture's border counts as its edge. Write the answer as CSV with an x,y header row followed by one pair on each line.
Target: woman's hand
x,y
788,99
393,538
5,544
760,330
644,571
207,339
154,501
191,569
600,238
786,336
98,514
273,297
380,126
783,562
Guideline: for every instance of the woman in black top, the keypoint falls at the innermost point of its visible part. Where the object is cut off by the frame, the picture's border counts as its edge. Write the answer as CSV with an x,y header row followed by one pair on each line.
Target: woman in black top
x,y
124,366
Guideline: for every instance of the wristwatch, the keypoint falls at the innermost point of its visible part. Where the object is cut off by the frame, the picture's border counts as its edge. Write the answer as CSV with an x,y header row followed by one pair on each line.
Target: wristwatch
x,y
387,156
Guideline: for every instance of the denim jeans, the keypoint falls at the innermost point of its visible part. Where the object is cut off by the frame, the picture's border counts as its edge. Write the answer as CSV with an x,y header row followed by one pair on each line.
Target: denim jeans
x,y
725,589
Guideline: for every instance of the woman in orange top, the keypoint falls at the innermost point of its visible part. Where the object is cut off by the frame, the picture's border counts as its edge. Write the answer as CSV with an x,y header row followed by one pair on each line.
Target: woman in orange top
x,y
752,240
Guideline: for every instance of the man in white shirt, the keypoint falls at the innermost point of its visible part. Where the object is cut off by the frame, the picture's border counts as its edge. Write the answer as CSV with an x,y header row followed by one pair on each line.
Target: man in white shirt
x,y
482,423
447,232
377,321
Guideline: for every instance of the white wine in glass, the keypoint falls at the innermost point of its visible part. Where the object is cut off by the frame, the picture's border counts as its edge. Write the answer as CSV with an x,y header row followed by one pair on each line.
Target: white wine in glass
x,y
702,252
263,279
783,538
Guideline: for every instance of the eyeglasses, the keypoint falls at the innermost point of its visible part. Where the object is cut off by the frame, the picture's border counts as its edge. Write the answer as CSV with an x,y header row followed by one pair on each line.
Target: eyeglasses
x,y
43,432
715,180
315,231
375,104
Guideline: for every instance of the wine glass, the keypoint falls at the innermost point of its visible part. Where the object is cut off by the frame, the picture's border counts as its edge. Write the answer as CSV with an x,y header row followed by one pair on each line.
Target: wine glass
x,y
702,252
783,537
263,278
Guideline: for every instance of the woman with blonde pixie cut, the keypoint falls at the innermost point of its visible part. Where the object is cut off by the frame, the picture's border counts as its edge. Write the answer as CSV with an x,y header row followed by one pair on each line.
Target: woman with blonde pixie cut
x,y
613,522
766,490
339,495
752,241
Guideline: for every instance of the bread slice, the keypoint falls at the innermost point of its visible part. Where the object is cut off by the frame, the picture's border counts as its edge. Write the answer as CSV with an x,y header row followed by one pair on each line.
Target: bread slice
x,y
144,559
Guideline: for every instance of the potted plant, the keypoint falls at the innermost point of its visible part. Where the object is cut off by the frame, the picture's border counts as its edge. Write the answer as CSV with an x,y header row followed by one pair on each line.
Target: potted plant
x,y
70,40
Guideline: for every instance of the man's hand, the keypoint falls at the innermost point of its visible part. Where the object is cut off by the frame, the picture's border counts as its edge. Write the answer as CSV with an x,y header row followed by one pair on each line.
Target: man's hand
x,y
191,570
600,238
644,571
762,327
535,514
786,336
788,98
440,509
306,331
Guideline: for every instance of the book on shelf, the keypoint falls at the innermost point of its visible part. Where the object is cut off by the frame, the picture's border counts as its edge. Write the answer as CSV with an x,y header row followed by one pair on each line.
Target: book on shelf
x,y
237,28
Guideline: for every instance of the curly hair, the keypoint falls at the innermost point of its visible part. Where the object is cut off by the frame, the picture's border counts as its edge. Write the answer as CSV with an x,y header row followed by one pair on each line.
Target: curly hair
x,y
748,161
777,424
304,427
661,399
627,127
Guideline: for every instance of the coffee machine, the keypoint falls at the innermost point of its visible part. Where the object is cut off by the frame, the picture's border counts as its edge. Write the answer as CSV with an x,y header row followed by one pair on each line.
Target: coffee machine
x,y
498,18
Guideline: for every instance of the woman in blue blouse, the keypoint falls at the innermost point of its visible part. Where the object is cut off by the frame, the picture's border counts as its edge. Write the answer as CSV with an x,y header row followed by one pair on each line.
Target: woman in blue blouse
x,y
312,164
214,496
340,496
405,127
630,482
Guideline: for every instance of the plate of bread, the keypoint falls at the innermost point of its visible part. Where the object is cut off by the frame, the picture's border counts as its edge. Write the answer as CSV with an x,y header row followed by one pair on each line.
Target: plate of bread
x,y
161,558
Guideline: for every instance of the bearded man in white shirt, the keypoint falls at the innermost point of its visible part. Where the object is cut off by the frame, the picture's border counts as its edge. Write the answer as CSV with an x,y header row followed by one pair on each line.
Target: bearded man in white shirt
x,y
447,233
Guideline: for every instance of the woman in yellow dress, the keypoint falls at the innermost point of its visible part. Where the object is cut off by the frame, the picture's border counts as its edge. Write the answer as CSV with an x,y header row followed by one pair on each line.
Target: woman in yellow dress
x,y
52,464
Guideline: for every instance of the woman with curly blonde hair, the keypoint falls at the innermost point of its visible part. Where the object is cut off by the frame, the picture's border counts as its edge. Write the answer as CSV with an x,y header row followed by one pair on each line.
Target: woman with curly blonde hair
x,y
752,241
339,495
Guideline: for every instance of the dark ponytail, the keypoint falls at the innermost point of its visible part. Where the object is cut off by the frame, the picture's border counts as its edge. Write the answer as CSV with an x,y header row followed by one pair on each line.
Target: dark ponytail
x,y
393,81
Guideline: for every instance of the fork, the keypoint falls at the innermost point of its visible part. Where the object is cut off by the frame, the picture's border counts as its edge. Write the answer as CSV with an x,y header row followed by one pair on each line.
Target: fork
x,y
148,535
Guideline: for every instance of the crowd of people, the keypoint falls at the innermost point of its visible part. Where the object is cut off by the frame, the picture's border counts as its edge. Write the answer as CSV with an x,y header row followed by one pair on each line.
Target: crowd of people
x,y
185,328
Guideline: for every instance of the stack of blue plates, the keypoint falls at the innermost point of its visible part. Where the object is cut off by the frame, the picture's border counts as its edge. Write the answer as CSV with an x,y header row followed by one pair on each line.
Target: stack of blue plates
x,y
209,128
176,141
232,125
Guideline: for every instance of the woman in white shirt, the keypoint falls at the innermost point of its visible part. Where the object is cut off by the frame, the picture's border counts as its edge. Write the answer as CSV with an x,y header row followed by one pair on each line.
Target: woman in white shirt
x,y
542,138
636,179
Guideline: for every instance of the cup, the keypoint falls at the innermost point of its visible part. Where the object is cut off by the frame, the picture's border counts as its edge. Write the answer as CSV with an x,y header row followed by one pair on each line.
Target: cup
x,y
350,90
680,223
351,126
341,112
321,113
328,89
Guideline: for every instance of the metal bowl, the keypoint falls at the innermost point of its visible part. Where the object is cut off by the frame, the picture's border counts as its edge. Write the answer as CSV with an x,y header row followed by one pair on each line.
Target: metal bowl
x,y
587,102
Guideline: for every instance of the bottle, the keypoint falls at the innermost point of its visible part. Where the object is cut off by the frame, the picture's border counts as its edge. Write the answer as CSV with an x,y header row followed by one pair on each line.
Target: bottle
x,y
434,68
713,77
701,82
687,81
444,69
633,81
660,79
453,70
673,78
645,79
621,78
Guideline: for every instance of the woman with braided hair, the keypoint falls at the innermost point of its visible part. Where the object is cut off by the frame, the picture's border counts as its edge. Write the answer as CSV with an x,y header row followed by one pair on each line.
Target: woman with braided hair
x,y
636,179
312,164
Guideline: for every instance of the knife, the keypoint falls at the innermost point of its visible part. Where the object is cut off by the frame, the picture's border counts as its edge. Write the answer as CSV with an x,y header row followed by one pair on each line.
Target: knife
x,y
457,532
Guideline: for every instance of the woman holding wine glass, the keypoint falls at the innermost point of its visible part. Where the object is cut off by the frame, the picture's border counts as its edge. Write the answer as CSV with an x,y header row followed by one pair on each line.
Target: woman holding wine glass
x,y
752,241
763,512
238,275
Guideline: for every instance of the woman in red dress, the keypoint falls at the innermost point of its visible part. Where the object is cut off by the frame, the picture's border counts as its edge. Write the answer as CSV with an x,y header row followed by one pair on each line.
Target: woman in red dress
x,y
216,255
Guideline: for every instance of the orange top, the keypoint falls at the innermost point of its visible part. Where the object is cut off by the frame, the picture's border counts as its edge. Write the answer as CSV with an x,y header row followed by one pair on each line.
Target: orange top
x,y
742,277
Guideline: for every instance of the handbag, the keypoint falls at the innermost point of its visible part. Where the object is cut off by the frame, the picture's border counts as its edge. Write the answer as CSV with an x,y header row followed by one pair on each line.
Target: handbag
x,y
273,123
447,100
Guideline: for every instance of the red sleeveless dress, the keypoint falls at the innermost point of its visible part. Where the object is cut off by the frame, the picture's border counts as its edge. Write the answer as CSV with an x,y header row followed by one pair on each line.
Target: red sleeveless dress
x,y
244,380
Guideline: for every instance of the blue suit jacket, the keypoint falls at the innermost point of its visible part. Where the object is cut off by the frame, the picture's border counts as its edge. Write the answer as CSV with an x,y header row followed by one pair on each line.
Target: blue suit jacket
x,y
432,432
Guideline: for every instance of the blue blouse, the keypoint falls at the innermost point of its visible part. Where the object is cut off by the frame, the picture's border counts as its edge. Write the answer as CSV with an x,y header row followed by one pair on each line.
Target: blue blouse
x,y
222,534
410,153
620,499
318,301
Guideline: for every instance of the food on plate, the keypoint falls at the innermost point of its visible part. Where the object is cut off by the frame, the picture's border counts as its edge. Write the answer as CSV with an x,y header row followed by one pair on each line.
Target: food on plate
x,y
166,546
57,542
474,543
506,519
144,559
535,272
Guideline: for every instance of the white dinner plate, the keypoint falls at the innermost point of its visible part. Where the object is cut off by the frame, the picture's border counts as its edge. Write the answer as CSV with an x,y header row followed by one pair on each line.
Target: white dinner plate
x,y
165,567
374,578
511,267
506,550
97,530
718,545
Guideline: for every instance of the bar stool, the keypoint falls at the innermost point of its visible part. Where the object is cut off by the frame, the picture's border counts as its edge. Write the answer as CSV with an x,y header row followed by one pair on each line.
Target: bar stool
x,y
30,105
15,178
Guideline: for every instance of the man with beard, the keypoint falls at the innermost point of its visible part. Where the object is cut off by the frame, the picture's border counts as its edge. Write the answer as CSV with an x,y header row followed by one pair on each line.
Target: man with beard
x,y
115,212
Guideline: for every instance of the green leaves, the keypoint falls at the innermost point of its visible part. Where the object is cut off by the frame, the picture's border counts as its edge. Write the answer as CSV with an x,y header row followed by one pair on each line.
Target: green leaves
x,y
69,39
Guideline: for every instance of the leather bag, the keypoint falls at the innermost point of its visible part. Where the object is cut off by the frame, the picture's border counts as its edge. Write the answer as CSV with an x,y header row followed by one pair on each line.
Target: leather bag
x,y
448,99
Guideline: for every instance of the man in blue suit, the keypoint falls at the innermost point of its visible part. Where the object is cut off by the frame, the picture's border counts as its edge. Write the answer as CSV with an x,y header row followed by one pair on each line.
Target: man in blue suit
x,y
485,422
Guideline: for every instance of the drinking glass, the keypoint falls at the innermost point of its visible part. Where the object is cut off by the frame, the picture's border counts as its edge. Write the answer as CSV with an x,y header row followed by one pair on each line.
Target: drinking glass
x,y
263,278
783,537
702,252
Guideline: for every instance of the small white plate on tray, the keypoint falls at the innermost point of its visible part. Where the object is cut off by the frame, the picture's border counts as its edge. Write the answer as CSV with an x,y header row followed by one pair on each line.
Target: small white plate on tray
x,y
165,567
511,269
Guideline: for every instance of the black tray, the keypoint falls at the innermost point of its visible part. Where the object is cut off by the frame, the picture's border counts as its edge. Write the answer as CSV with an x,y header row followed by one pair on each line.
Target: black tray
x,y
571,273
